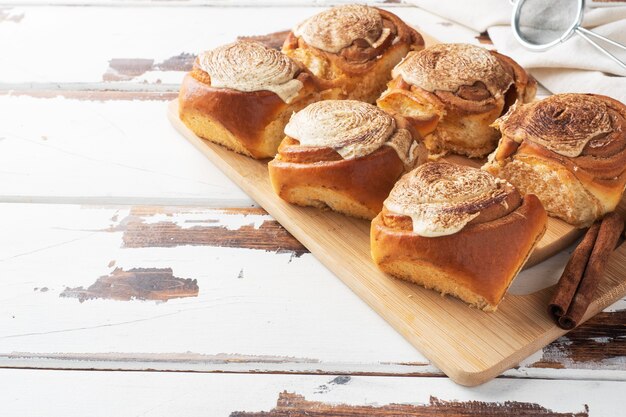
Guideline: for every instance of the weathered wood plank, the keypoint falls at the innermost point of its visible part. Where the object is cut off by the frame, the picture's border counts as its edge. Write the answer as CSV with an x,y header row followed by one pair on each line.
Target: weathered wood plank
x,y
599,343
192,3
254,300
468,345
119,141
266,302
269,235
92,95
162,170
296,405
224,395
131,55
102,147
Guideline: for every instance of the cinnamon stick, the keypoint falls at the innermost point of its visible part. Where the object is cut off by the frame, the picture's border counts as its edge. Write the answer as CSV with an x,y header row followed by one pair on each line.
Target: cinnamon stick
x,y
609,233
573,273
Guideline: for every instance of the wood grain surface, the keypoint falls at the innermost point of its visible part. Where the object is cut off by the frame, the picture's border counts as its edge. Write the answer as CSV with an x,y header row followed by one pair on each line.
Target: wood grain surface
x,y
230,395
469,345
266,319
295,405
295,315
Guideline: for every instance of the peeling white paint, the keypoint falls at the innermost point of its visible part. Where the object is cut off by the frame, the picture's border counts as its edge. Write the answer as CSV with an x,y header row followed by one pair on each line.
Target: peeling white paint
x,y
126,151
121,149
283,306
534,358
204,218
195,394
601,339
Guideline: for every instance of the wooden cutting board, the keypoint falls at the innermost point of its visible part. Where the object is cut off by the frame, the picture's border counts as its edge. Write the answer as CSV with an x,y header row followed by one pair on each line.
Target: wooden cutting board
x,y
469,345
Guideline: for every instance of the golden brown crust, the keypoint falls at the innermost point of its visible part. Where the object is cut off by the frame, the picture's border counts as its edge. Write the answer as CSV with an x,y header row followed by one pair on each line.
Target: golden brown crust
x,y
256,108
524,86
291,151
365,182
342,162
251,119
453,93
476,264
359,70
579,139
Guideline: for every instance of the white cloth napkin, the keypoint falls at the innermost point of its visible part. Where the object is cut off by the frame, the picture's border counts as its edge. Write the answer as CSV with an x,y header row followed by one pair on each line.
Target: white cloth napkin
x,y
573,66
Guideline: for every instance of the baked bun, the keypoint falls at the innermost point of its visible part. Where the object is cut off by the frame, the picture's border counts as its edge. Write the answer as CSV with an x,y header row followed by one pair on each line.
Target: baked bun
x,y
343,154
457,230
241,95
453,92
353,48
569,150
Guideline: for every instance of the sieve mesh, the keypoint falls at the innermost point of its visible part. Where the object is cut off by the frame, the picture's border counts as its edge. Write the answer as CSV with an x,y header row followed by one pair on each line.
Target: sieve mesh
x,y
544,21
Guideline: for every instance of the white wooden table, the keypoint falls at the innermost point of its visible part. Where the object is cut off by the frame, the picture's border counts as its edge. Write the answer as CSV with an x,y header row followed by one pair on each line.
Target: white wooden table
x,y
95,185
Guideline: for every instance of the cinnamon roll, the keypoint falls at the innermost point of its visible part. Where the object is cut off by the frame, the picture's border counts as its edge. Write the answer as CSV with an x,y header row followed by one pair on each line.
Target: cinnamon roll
x,y
241,95
457,230
569,150
452,93
352,48
344,155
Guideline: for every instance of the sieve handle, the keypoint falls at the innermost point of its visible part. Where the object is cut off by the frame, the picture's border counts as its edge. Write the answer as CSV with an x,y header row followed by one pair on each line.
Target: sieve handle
x,y
607,40
585,34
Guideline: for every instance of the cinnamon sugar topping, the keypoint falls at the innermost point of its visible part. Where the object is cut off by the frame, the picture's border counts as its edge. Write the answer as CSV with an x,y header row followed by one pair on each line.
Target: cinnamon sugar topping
x,y
336,28
448,67
352,128
563,123
442,198
251,66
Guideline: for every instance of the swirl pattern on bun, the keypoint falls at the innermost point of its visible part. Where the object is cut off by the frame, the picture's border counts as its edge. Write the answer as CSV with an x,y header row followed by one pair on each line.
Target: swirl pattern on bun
x,y
241,96
345,155
569,150
567,123
352,128
457,230
337,28
352,48
453,92
450,67
251,66
442,198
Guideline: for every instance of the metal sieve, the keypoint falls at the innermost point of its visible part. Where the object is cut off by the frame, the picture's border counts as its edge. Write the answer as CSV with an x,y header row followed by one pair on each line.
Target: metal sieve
x,y
541,24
